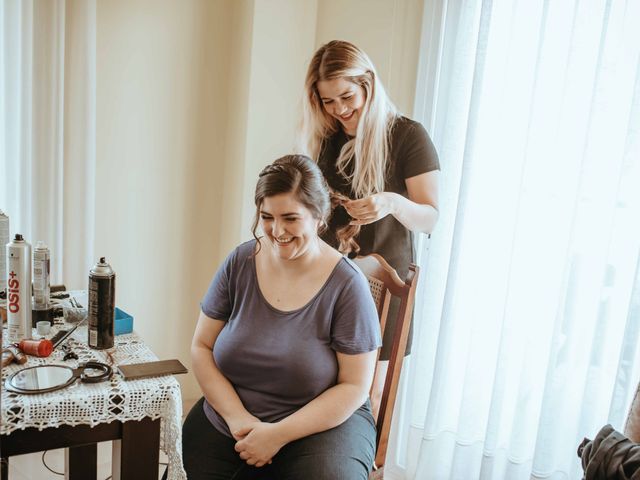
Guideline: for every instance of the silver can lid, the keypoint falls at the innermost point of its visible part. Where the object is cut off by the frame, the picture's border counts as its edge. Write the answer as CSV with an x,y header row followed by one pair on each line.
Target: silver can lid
x,y
102,269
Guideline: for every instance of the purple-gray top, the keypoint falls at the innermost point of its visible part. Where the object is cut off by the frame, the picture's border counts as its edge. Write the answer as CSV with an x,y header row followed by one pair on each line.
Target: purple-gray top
x,y
279,361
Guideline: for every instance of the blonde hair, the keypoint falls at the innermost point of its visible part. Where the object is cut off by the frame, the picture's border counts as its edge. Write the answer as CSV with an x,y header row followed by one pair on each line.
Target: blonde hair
x,y
369,150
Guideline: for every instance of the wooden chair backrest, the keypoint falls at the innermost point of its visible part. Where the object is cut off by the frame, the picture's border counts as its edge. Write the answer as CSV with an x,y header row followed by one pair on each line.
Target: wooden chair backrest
x,y
632,424
385,283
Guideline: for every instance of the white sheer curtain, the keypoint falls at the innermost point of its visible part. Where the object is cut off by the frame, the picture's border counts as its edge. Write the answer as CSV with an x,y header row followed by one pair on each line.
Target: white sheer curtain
x,y
47,128
528,338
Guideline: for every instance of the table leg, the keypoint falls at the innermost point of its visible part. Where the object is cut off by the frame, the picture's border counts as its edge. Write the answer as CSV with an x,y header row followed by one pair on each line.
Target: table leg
x,y
81,463
136,456
4,468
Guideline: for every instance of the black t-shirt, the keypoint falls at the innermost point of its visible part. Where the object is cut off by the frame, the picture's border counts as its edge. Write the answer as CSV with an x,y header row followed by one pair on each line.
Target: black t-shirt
x,y
411,153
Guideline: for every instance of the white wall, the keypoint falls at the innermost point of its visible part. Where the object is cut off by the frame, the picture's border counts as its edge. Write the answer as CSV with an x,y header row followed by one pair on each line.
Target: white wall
x,y
193,99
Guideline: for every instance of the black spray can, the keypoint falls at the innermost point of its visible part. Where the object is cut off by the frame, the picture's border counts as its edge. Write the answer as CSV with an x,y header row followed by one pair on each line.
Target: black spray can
x,y
102,304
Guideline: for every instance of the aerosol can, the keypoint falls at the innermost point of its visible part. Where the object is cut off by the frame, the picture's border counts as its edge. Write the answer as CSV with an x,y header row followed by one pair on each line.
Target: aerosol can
x,y
18,289
41,273
4,239
41,283
102,304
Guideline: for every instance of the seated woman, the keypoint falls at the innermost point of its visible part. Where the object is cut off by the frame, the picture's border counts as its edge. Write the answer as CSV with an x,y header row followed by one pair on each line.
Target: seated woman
x,y
285,347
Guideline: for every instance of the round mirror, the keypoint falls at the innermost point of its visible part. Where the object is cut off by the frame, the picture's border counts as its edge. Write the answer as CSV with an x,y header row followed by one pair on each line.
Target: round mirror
x,y
40,379
47,378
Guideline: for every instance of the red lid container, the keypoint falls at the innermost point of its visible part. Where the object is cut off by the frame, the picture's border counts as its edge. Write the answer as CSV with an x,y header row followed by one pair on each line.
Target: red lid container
x,y
39,348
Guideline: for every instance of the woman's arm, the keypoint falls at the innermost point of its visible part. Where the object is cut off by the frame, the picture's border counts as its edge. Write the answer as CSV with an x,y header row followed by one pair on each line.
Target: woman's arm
x,y
418,213
337,404
328,410
216,388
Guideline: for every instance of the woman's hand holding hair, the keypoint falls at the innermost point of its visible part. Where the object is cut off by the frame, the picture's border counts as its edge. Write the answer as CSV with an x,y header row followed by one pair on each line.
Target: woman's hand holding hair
x,y
371,209
260,442
418,213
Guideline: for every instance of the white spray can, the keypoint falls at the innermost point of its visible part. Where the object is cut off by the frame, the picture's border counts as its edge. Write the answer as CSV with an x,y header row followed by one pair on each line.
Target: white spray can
x,y
18,289
4,239
41,272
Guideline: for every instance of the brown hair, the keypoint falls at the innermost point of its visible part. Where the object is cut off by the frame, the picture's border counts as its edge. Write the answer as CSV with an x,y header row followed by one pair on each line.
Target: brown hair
x,y
296,174
346,233
300,175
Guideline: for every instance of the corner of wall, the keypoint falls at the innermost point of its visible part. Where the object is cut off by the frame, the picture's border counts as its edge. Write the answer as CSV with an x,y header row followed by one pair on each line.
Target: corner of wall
x,y
234,169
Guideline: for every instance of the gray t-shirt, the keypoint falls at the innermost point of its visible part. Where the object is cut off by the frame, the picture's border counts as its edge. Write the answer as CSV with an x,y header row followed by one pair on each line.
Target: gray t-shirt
x,y
279,361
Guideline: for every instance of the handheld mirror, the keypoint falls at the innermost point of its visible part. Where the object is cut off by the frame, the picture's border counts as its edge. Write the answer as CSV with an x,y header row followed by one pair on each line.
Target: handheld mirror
x,y
48,378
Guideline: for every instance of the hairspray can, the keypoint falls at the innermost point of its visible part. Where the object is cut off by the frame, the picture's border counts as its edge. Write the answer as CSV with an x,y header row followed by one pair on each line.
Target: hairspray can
x,y
19,289
41,271
102,304
4,239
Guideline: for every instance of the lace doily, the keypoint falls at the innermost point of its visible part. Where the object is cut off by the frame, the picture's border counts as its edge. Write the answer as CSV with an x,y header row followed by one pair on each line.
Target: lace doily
x,y
92,404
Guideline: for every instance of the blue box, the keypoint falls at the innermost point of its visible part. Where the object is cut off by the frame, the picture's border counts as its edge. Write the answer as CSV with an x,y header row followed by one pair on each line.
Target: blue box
x,y
123,322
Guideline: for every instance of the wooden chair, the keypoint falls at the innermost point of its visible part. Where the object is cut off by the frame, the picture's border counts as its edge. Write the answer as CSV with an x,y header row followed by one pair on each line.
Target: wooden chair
x,y
632,424
385,283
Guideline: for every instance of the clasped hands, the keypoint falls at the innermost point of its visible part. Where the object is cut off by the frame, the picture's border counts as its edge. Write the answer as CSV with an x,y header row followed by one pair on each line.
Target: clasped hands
x,y
257,442
370,209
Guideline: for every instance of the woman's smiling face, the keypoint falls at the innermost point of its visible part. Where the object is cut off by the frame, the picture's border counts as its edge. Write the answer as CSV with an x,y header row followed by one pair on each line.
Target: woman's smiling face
x,y
289,226
343,100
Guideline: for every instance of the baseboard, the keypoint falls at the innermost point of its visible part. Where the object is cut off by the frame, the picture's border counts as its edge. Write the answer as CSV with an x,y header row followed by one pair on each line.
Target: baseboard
x,y
393,472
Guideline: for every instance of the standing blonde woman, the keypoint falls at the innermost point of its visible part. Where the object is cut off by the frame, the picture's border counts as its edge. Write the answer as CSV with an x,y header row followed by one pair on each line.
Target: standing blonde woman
x,y
367,151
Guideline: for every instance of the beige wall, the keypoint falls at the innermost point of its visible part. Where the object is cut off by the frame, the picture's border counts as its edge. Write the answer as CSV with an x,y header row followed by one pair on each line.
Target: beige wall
x,y
283,35
161,96
193,99
271,44
231,229
388,30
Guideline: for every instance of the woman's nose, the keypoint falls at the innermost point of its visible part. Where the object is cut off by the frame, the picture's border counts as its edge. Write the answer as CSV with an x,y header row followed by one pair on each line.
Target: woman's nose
x,y
277,228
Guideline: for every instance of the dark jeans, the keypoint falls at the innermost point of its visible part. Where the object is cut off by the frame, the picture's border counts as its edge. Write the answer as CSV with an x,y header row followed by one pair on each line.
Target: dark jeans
x,y
345,452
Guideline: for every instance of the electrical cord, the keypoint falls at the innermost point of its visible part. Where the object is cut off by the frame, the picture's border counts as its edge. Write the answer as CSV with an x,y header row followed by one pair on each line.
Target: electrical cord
x,y
47,466
62,474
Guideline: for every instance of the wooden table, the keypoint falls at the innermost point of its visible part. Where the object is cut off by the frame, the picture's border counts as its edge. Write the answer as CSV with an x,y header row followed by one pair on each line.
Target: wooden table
x,y
136,447
139,416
